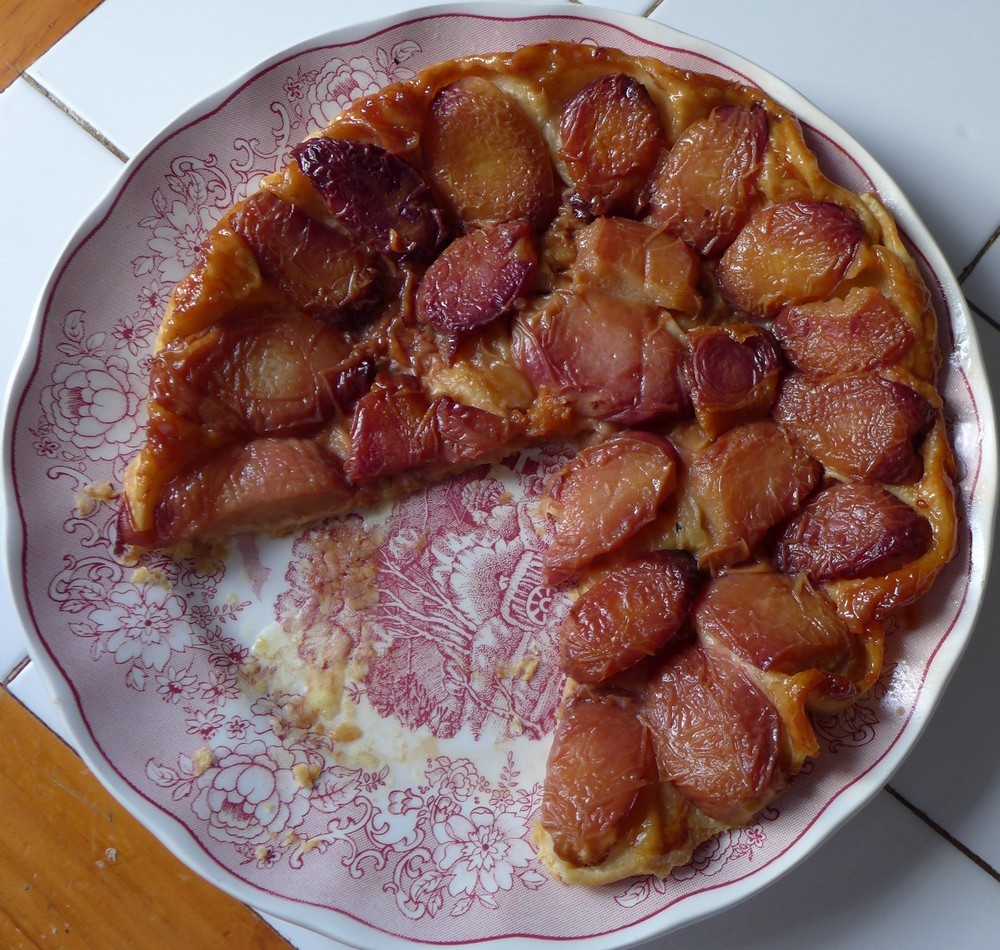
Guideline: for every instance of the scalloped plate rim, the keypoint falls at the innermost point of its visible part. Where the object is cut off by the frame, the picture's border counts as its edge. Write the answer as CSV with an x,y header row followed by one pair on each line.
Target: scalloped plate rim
x,y
181,841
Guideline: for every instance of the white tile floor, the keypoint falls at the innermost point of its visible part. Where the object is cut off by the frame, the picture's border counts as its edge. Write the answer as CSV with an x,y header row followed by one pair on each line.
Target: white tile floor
x,y
914,80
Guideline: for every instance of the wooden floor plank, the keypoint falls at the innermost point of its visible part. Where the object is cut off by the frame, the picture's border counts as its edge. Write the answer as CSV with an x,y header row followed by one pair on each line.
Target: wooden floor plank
x,y
76,870
29,27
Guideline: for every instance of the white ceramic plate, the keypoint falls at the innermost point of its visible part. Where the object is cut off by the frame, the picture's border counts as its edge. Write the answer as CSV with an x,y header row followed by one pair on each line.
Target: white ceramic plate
x,y
418,831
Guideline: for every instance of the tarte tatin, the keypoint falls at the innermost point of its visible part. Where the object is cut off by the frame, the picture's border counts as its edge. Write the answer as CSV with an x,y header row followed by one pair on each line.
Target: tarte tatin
x,y
568,243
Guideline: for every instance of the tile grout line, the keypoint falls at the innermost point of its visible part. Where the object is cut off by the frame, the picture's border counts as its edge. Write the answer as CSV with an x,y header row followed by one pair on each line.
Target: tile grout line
x,y
76,117
990,241
982,313
966,271
981,863
16,671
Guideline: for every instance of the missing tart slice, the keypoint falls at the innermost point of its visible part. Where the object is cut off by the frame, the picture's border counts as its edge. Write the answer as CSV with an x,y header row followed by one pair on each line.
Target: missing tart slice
x,y
568,243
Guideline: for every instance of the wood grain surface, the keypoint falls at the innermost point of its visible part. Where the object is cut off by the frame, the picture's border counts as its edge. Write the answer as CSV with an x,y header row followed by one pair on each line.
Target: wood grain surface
x,y
29,27
76,870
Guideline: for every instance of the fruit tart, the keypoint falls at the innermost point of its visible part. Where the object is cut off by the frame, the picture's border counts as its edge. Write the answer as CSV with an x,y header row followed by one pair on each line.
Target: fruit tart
x,y
568,244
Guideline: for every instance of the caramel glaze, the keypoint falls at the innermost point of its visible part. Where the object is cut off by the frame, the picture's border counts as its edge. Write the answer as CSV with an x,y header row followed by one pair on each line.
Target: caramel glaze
x,y
505,370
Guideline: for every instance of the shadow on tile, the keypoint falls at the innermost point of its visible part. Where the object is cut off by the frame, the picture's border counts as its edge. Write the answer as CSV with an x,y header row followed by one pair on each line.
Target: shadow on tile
x,y
953,772
884,875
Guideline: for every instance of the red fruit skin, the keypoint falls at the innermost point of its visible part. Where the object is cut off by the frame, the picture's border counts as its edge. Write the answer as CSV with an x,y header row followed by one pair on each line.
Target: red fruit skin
x,y
863,331
477,279
468,433
628,615
773,622
609,358
392,430
733,374
611,137
397,427
601,758
322,272
487,158
788,253
716,735
748,480
706,187
247,484
379,198
606,494
634,261
851,530
860,425
281,373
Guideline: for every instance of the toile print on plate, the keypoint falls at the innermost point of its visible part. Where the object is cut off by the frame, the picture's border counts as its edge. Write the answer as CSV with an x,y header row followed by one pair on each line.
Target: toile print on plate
x,y
432,619
354,720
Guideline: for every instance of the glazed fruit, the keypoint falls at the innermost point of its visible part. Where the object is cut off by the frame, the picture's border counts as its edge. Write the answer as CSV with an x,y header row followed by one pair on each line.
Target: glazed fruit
x,y
610,138
322,272
606,494
745,482
601,758
612,358
860,425
851,530
707,185
862,331
263,375
733,374
377,196
397,428
789,253
565,249
716,735
628,615
774,623
477,279
487,157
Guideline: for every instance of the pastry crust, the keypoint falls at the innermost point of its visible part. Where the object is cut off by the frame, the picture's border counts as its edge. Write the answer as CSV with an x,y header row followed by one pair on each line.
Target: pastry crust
x,y
271,396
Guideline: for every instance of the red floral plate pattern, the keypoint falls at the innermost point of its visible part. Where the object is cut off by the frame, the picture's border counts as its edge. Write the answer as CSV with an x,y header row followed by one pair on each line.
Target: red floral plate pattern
x,y
419,830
